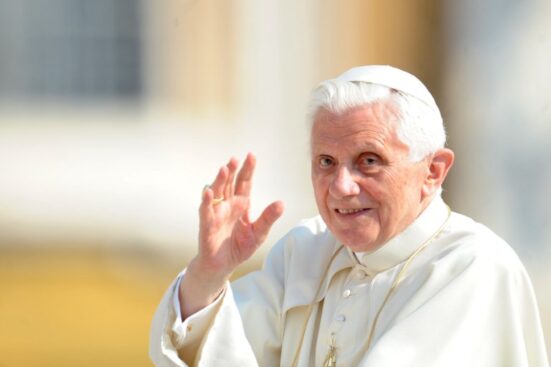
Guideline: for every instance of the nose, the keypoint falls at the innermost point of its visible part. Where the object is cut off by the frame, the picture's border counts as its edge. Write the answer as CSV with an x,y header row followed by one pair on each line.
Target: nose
x,y
344,184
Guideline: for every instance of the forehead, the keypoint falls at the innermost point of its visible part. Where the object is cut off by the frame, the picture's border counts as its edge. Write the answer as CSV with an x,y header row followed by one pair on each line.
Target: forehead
x,y
374,124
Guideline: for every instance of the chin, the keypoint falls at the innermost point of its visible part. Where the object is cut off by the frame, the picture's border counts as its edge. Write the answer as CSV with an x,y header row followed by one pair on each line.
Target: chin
x,y
362,248
358,243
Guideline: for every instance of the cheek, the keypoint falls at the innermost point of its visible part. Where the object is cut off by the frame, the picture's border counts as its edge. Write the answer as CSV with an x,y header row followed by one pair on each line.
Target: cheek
x,y
320,190
389,192
378,187
399,179
321,182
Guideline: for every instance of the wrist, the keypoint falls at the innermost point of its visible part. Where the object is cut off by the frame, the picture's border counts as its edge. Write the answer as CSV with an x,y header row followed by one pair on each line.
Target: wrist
x,y
199,288
207,274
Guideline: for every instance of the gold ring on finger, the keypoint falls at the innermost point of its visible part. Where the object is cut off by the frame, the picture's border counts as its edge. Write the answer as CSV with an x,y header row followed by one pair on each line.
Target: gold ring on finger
x,y
216,201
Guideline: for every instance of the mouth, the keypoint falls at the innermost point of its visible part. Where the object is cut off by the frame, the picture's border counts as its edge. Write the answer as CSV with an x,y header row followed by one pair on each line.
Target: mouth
x,y
351,211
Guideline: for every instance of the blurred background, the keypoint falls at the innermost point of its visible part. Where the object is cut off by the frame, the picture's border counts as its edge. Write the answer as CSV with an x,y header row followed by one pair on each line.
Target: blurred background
x,y
115,113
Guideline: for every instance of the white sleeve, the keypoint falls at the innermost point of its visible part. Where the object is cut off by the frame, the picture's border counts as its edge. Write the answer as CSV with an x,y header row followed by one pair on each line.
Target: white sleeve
x,y
211,337
188,334
245,319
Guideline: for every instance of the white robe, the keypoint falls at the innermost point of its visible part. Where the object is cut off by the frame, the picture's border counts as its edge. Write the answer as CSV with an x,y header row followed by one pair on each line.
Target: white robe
x,y
465,300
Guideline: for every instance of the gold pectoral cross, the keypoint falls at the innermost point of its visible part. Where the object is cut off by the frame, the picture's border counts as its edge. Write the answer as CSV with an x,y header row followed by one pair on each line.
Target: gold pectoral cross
x,y
331,359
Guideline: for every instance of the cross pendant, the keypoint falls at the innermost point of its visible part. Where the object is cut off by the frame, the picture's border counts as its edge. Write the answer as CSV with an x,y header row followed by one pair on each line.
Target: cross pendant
x,y
331,360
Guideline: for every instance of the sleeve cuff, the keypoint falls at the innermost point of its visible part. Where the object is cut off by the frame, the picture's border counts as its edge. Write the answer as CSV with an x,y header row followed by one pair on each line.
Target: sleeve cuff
x,y
192,330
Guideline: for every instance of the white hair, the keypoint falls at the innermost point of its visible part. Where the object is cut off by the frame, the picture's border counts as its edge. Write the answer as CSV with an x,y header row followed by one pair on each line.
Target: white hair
x,y
420,126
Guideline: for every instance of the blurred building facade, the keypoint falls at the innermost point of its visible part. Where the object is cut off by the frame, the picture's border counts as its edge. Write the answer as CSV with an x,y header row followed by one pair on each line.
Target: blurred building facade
x,y
114,114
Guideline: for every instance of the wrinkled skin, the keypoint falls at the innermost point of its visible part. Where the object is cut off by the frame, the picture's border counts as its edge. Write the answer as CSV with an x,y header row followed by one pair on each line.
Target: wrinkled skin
x,y
366,188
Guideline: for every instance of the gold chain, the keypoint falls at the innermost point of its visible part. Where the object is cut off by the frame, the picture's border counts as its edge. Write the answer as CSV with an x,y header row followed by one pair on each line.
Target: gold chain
x,y
331,360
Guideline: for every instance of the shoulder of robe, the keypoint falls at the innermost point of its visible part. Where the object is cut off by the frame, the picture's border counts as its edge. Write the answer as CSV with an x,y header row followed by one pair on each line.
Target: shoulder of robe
x,y
309,240
299,259
468,243
469,264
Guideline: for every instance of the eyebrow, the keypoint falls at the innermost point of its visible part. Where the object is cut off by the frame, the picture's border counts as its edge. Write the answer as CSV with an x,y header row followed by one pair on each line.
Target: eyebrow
x,y
361,149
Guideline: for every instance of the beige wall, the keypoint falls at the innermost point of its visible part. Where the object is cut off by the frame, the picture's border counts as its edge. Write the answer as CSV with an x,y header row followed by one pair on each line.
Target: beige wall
x,y
192,54
406,34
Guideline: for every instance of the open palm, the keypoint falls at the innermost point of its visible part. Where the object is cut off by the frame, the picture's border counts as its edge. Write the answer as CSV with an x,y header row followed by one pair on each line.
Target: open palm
x,y
227,236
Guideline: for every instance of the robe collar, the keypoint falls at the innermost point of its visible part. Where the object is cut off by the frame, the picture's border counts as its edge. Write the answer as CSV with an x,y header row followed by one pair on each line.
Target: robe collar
x,y
400,247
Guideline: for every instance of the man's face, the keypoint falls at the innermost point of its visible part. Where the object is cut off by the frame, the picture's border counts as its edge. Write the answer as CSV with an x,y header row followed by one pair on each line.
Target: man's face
x,y
366,189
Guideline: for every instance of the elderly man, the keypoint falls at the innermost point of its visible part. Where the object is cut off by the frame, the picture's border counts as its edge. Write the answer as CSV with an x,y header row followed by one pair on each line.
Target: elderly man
x,y
387,275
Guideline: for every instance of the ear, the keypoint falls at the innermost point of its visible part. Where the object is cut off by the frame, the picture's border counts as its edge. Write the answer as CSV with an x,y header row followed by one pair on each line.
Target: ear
x,y
439,165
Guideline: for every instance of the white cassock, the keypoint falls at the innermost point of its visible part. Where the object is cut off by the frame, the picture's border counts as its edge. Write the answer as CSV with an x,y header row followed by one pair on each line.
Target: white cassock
x,y
464,300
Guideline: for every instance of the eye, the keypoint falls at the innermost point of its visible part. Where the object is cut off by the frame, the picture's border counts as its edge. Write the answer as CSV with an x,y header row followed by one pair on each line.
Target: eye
x,y
369,160
325,161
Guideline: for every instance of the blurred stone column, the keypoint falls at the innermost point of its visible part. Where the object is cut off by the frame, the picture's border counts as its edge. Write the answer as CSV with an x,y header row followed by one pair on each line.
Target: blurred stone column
x,y
191,56
405,34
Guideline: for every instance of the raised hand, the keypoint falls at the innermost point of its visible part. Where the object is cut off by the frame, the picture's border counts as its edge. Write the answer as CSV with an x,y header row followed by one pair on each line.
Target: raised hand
x,y
227,236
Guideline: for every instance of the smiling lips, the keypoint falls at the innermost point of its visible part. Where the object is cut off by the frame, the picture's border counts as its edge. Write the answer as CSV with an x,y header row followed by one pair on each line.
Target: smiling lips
x,y
351,211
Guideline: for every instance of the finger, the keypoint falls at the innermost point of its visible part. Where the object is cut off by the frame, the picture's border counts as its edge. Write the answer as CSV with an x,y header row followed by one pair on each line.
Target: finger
x,y
205,209
268,217
219,183
232,165
243,183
